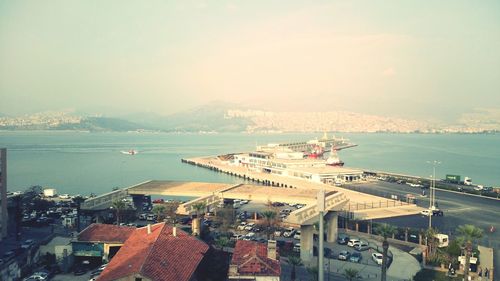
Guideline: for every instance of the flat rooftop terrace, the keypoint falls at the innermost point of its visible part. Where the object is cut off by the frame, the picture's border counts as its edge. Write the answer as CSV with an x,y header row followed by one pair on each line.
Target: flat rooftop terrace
x,y
230,191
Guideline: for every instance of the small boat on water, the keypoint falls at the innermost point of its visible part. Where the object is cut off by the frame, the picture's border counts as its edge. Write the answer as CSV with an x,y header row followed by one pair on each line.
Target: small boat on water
x,y
130,152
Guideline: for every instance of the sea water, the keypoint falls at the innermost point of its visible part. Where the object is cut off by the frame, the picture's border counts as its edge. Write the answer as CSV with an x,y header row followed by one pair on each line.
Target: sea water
x,y
84,163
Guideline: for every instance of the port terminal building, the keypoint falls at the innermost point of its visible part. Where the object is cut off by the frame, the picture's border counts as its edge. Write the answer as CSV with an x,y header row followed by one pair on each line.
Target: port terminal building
x,y
294,165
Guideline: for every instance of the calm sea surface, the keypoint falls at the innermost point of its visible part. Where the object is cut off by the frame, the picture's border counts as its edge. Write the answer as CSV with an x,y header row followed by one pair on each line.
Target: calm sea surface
x,y
81,163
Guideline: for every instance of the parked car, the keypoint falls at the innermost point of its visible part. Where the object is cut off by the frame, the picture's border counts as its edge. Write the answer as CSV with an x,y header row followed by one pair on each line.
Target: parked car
x,y
236,237
8,254
241,226
296,247
344,255
102,267
96,273
27,244
355,257
297,235
249,226
377,258
342,239
290,232
249,236
352,242
277,233
362,246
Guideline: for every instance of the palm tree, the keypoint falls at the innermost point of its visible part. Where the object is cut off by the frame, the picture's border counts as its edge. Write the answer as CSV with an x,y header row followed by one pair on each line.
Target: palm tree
x,y
385,231
351,274
78,200
119,206
269,216
294,261
198,207
313,271
469,235
431,241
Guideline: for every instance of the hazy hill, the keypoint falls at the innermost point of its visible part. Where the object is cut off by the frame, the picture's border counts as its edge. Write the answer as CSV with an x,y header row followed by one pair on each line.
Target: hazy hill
x,y
103,124
209,117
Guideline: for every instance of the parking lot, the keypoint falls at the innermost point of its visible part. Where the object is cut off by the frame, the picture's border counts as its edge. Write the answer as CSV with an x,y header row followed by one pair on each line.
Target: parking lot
x,y
289,243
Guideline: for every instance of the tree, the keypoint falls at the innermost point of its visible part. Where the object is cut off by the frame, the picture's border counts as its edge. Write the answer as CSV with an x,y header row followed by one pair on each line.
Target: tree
x,y
351,274
159,211
294,261
385,231
269,216
222,242
226,217
431,241
78,201
313,271
469,235
198,207
171,211
119,206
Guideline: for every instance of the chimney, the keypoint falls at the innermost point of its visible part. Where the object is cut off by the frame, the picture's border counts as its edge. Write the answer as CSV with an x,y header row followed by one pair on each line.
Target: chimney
x,y
233,270
149,228
271,249
174,231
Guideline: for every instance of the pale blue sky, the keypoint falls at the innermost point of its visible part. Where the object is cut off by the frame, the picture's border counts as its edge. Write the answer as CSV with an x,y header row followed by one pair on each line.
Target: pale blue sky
x,y
422,59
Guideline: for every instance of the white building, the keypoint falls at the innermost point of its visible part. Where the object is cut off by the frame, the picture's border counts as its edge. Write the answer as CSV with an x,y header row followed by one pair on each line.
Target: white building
x,y
313,169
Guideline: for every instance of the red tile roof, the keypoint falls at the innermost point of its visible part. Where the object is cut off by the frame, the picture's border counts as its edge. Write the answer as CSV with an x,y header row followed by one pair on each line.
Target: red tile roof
x,y
158,256
97,232
251,259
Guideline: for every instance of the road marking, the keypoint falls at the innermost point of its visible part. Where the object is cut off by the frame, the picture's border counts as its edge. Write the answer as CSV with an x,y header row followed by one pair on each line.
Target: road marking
x,y
461,209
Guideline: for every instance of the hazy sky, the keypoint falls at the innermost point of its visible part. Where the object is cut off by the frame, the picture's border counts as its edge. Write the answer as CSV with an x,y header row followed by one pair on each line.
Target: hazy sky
x,y
407,58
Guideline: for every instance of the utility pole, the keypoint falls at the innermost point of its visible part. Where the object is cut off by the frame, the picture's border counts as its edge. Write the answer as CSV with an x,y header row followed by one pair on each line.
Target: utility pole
x,y
432,193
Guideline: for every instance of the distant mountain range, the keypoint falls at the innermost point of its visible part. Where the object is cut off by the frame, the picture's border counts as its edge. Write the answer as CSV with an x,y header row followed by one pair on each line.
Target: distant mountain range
x,y
224,117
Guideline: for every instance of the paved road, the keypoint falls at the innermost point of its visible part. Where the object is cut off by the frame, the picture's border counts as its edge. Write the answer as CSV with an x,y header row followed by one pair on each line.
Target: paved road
x,y
458,209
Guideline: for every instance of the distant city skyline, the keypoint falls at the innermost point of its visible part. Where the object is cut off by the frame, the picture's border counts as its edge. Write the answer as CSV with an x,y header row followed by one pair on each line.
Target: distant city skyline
x,y
412,59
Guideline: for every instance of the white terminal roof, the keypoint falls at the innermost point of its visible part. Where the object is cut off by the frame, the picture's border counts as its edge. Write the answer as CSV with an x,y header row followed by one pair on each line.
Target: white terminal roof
x,y
327,170
299,161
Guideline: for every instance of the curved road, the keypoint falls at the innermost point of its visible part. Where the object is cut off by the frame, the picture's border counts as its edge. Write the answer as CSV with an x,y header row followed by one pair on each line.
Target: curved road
x,y
458,209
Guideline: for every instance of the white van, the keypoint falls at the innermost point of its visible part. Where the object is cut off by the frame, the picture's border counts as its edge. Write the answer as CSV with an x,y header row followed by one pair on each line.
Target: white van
x,y
442,240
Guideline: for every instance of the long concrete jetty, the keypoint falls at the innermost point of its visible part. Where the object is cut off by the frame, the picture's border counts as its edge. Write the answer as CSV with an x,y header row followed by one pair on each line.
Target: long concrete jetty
x,y
361,205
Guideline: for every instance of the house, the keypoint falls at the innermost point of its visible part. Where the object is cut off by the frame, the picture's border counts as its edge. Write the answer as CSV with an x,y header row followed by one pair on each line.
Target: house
x,y
100,242
61,248
157,252
255,261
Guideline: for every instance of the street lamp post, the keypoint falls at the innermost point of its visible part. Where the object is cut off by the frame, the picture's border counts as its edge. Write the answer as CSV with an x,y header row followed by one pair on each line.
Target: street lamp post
x,y
432,192
321,209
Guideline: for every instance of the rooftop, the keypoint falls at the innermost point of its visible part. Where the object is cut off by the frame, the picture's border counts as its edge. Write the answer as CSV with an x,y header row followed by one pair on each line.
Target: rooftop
x,y
327,170
159,255
109,233
251,259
